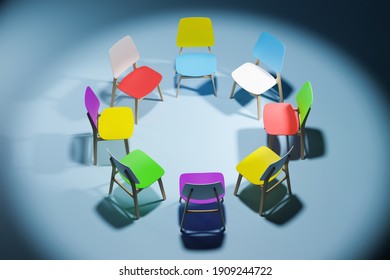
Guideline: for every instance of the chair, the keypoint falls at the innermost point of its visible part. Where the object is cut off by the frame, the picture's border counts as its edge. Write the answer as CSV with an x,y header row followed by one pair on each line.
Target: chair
x,y
255,79
284,119
139,171
260,168
202,188
139,82
195,32
113,124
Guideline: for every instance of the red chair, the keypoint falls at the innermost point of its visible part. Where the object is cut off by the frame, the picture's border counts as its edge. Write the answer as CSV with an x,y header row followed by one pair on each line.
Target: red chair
x,y
284,119
139,82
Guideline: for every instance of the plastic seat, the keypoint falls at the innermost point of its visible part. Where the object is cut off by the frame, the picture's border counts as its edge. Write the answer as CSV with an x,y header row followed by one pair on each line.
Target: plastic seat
x,y
284,119
256,80
113,123
195,32
139,82
202,188
261,168
139,171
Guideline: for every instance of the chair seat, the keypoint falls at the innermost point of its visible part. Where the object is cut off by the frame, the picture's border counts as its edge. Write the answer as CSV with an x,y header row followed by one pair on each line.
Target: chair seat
x,y
255,164
140,82
196,64
201,179
144,167
253,78
280,119
116,123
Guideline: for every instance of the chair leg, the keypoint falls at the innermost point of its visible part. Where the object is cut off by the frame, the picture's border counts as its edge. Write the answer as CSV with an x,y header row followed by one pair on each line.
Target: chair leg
x,y
220,208
178,86
127,146
112,180
212,80
288,179
136,110
279,82
270,141
233,88
114,86
238,184
258,107
160,183
184,213
302,140
263,193
161,95
95,148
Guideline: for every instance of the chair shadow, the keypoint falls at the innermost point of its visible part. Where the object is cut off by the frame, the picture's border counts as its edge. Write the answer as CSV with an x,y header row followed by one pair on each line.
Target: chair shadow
x,y
204,89
248,140
314,144
81,149
118,209
203,231
279,207
113,213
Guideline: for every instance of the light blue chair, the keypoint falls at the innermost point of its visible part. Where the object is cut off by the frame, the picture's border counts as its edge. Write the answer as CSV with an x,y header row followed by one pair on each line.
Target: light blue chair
x,y
256,80
195,32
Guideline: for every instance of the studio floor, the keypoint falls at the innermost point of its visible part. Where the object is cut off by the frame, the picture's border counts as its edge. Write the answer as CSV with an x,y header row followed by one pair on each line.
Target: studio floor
x,y
55,201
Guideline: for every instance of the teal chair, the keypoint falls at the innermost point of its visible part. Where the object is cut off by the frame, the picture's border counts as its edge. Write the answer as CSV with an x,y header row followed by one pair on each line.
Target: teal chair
x,y
139,171
195,32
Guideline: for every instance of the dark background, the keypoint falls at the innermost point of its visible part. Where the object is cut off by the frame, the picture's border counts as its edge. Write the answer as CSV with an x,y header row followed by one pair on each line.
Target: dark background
x,y
359,28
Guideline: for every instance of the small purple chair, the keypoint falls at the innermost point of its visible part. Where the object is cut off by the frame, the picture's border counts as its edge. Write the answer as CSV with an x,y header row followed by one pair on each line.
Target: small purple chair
x,y
202,188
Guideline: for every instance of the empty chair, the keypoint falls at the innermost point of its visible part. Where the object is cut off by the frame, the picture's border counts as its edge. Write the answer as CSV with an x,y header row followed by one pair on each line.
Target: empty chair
x,y
139,171
261,168
284,119
139,82
194,32
202,188
255,79
113,123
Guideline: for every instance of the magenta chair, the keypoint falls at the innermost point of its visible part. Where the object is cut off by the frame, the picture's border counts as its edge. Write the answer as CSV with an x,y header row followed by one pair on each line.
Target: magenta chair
x,y
202,188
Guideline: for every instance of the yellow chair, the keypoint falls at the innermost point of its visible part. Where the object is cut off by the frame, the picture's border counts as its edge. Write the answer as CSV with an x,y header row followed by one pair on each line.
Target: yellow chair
x,y
195,32
115,123
260,168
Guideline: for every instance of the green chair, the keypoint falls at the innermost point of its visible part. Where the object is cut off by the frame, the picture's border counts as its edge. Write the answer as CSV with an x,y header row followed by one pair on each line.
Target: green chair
x,y
139,171
284,119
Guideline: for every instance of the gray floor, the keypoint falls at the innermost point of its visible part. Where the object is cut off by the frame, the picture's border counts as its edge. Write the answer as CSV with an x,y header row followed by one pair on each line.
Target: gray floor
x,y
58,202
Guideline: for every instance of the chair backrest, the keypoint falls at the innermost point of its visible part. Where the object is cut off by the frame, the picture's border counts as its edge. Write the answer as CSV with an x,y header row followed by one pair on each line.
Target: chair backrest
x,y
203,191
92,104
275,167
304,100
123,55
270,51
195,32
123,169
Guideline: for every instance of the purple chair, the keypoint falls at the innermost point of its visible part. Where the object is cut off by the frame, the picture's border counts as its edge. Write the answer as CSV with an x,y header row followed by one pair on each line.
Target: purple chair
x,y
202,188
